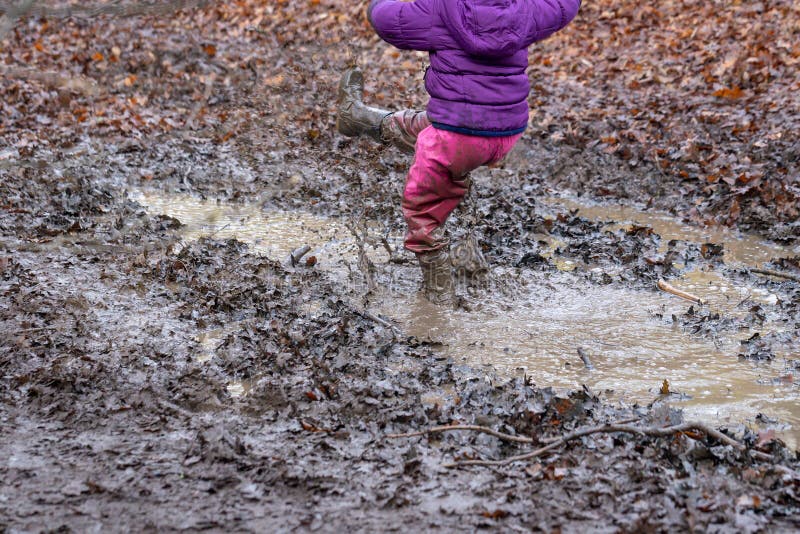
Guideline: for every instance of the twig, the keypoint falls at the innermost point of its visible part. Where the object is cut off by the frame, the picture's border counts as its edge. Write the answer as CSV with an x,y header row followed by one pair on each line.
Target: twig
x,y
779,274
372,317
260,31
490,431
218,230
664,286
39,329
646,431
585,358
474,428
387,246
297,254
364,264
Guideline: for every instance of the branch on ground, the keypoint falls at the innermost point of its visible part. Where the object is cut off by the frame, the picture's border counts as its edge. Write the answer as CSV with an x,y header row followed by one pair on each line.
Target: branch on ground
x,y
686,429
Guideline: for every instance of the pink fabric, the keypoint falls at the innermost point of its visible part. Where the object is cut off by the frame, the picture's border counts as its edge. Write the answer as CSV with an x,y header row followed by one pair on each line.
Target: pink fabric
x,y
437,180
405,124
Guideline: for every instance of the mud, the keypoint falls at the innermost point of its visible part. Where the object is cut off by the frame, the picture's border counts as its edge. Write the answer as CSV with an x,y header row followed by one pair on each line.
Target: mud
x,y
631,335
160,381
161,372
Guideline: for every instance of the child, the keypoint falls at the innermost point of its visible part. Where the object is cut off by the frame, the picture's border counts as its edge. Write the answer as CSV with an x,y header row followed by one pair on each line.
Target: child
x,y
478,106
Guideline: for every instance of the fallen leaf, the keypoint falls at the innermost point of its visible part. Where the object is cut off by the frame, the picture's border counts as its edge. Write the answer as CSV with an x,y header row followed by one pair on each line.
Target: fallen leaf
x,y
748,501
496,514
731,93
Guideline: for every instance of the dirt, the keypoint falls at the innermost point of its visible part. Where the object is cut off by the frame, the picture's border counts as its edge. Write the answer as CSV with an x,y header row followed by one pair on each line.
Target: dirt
x,y
114,417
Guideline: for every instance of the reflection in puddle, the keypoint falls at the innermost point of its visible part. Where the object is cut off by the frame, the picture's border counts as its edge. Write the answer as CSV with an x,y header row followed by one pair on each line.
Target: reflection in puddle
x,y
238,389
275,234
628,335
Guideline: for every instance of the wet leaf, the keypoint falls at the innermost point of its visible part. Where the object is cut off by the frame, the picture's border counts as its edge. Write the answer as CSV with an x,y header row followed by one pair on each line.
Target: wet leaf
x,y
748,501
729,93
495,514
765,437
709,250
535,470
552,472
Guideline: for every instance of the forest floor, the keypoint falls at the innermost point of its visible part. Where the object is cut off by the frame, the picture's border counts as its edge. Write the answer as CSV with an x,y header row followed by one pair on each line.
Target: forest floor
x,y
115,414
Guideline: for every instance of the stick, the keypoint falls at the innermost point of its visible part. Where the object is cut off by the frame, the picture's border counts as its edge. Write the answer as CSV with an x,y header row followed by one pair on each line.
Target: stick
x,y
779,274
474,428
372,317
664,286
39,329
297,254
490,431
586,361
646,431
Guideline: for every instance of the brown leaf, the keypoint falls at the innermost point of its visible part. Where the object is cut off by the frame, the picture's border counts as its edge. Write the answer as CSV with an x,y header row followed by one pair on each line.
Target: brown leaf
x,y
731,94
765,437
496,514
734,212
552,472
748,501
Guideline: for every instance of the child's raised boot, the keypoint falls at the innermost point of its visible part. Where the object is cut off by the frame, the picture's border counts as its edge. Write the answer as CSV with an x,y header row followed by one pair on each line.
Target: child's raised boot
x,y
353,117
437,276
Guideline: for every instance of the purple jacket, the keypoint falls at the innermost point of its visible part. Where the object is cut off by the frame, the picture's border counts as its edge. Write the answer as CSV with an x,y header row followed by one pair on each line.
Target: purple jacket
x,y
478,51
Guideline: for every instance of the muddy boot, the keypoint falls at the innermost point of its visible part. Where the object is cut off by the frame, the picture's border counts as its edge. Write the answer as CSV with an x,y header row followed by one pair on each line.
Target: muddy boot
x,y
437,276
469,262
353,117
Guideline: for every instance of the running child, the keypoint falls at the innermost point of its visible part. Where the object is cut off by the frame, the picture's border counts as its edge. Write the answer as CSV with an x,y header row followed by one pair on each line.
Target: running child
x,y
478,106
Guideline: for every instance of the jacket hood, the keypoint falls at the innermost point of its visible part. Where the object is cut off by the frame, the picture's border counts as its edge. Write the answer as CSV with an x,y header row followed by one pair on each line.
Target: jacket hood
x,y
487,28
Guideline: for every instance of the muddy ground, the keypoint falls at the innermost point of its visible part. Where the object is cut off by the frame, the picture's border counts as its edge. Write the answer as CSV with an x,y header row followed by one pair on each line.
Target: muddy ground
x,y
111,422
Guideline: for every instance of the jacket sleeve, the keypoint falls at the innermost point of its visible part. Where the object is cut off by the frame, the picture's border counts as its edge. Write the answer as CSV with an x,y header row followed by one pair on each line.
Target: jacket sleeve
x,y
549,16
406,25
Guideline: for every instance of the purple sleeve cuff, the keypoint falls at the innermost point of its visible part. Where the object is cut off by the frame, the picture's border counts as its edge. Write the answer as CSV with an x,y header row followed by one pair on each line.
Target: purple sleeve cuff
x,y
371,6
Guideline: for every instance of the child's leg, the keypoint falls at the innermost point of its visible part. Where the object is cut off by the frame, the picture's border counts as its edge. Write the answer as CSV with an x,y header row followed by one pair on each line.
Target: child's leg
x,y
402,128
354,118
437,181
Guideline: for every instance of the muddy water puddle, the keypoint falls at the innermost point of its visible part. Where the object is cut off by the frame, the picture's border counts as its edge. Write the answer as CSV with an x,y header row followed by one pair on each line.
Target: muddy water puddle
x,y
739,248
537,327
274,234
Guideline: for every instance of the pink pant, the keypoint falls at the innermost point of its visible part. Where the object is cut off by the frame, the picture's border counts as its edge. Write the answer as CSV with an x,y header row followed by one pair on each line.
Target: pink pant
x,y
437,180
